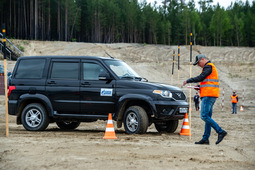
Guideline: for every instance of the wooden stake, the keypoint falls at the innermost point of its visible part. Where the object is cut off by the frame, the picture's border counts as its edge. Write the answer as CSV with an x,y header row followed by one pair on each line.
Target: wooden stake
x,y
190,103
5,82
243,98
222,104
6,98
178,63
190,84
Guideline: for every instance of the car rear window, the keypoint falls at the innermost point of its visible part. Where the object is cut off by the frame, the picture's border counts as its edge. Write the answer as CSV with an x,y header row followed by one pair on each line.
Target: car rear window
x,y
30,69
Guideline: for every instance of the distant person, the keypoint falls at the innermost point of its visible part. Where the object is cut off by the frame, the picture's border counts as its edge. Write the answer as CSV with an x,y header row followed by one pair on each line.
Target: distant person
x,y
196,100
234,100
209,92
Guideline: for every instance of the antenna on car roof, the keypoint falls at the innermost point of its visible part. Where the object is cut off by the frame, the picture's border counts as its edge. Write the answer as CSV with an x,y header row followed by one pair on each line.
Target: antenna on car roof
x,y
109,55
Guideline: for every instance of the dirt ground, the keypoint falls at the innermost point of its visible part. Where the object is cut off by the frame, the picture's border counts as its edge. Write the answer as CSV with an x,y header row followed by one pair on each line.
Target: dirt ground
x,y
84,147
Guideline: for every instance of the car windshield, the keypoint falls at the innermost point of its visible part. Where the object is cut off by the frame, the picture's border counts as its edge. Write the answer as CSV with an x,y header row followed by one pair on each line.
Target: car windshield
x,y
122,70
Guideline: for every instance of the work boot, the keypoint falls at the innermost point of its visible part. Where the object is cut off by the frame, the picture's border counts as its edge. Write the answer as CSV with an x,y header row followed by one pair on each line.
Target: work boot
x,y
221,136
201,142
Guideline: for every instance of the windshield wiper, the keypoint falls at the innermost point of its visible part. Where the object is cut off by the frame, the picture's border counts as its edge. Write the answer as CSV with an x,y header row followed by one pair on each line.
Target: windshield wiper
x,y
136,78
144,79
127,77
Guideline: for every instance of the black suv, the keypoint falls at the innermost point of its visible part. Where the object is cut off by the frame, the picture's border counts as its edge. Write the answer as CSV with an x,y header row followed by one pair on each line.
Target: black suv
x,y
73,89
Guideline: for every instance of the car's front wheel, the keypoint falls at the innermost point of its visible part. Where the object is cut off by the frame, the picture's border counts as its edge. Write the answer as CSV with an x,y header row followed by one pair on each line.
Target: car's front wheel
x,y
66,125
168,126
136,120
34,117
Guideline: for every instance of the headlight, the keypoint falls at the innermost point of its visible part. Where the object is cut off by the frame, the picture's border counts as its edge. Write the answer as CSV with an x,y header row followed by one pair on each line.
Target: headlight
x,y
163,93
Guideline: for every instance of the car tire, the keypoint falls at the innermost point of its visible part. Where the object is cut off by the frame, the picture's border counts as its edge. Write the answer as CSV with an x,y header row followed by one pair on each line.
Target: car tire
x,y
136,120
34,117
168,126
65,125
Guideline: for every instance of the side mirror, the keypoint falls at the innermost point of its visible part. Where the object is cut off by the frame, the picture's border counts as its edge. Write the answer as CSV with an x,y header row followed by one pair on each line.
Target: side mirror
x,y
104,76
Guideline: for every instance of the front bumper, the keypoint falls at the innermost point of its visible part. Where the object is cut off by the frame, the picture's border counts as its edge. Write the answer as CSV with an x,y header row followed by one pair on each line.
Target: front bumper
x,y
171,110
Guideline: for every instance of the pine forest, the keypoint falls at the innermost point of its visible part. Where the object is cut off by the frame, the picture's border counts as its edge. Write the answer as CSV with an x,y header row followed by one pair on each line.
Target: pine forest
x,y
168,22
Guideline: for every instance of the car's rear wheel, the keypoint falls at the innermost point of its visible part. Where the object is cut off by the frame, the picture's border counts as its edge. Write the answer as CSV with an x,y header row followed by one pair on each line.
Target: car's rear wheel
x,y
168,126
67,125
34,117
136,120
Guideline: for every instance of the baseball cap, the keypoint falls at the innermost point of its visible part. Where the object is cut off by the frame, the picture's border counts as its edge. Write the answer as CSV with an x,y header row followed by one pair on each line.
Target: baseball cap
x,y
198,58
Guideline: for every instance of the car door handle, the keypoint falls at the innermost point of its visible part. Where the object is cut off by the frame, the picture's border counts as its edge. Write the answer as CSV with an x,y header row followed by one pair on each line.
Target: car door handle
x,y
85,84
51,82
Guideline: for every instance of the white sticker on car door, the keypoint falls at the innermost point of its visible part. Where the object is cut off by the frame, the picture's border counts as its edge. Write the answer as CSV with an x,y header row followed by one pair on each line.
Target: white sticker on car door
x,y
106,92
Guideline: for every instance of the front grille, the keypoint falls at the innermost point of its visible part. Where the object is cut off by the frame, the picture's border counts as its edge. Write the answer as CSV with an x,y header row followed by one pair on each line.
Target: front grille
x,y
178,95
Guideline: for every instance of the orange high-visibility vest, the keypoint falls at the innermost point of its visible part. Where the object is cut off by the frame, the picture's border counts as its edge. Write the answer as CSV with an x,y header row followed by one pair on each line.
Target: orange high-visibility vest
x,y
209,87
234,99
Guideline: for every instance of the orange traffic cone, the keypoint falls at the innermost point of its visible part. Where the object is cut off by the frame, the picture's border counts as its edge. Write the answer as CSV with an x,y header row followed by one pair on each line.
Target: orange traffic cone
x,y
109,132
185,126
241,108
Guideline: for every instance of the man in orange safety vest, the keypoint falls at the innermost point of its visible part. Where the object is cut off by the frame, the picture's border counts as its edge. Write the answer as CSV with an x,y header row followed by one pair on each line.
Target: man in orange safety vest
x,y
234,100
209,92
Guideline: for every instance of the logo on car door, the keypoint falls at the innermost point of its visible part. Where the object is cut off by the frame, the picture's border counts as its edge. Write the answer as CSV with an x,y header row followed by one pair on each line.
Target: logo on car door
x,y
106,92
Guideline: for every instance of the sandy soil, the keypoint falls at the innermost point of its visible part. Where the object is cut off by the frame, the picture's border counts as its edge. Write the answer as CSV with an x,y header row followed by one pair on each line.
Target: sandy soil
x,y
84,147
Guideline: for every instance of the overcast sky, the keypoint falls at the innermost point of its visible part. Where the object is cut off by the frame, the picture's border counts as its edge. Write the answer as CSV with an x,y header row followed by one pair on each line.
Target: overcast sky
x,y
223,3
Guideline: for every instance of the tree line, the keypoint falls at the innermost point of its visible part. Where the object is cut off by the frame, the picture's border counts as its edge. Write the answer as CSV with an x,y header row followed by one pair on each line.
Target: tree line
x,y
111,21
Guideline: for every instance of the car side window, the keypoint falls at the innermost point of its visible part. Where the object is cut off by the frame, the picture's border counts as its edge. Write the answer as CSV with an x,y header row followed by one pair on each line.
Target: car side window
x,y
30,69
91,71
65,70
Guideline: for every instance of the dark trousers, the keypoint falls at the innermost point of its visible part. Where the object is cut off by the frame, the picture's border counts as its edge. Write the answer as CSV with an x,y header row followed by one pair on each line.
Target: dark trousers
x,y
197,106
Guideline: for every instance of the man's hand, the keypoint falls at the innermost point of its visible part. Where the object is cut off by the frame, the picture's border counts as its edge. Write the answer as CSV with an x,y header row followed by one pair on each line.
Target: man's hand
x,y
184,83
197,88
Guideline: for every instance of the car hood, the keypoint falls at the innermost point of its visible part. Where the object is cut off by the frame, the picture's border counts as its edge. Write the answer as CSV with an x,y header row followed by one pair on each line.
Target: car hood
x,y
161,86
148,85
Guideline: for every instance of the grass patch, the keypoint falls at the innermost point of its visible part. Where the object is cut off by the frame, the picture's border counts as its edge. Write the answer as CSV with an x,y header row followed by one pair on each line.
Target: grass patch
x,y
25,42
21,48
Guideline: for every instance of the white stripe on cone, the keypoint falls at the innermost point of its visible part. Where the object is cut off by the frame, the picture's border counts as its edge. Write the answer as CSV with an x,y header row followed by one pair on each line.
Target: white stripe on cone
x,y
185,127
109,129
109,122
186,120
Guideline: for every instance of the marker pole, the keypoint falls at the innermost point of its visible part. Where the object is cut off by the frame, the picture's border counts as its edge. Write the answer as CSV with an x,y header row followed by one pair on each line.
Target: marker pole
x,y
243,97
222,104
190,84
178,63
173,68
5,82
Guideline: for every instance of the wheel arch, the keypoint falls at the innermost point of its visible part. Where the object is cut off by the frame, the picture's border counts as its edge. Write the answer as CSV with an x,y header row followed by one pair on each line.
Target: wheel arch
x,y
133,100
27,99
